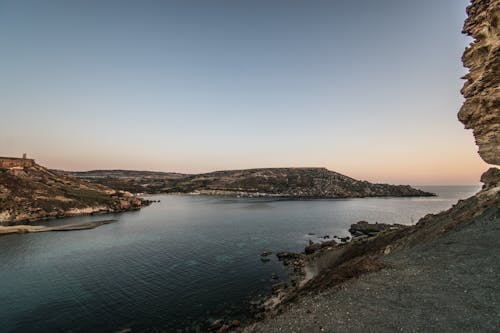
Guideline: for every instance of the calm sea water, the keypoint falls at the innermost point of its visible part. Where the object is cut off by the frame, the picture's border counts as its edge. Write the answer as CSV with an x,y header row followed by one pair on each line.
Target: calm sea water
x,y
177,264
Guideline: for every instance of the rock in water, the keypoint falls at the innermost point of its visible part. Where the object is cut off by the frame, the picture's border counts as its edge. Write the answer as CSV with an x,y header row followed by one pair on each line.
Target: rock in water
x,y
370,229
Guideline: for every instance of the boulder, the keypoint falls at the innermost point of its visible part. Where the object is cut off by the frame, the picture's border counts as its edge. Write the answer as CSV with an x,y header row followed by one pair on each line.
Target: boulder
x,y
370,229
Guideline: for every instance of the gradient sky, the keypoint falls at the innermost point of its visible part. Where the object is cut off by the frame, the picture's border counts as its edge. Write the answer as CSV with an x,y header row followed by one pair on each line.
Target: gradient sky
x,y
366,88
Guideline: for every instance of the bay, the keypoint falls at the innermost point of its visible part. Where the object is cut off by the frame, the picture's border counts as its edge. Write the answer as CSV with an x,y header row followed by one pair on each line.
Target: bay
x,y
178,264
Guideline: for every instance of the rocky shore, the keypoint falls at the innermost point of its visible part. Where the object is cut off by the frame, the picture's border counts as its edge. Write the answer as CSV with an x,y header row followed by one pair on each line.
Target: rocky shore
x,y
30,192
333,284
440,275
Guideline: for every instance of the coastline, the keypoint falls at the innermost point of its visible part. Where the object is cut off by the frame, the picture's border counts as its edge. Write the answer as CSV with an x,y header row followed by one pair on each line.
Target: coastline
x,y
23,228
337,267
75,212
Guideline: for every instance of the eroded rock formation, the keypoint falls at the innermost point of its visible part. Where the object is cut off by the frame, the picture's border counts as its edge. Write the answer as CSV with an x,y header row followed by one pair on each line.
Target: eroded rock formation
x,y
481,109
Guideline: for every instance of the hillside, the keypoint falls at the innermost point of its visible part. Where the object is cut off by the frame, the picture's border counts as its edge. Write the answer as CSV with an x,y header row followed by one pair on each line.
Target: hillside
x,y
29,192
275,182
439,275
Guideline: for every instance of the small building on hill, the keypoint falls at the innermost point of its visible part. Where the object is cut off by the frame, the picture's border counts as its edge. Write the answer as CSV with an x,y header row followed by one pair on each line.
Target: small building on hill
x,y
15,162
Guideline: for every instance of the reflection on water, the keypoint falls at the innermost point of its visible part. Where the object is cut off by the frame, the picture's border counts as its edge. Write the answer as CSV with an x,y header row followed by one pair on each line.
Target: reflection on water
x,y
175,264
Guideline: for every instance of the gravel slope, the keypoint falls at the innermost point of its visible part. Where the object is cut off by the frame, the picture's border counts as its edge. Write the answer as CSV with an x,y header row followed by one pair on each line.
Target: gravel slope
x,y
450,284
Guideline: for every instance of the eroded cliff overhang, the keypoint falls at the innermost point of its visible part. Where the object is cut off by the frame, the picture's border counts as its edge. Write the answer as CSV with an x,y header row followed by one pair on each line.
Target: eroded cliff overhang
x,y
481,109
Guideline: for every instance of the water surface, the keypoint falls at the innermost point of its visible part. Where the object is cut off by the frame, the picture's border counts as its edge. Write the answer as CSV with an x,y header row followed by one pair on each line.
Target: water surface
x,y
177,264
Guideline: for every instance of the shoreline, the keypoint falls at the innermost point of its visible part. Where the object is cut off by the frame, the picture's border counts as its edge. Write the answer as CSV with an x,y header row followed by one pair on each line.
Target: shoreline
x,y
76,212
337,266
251,195
24,228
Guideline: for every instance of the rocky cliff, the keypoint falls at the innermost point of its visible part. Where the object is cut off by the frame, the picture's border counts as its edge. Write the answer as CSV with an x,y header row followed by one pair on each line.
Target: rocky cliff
x,y
267,182
31,192
481,109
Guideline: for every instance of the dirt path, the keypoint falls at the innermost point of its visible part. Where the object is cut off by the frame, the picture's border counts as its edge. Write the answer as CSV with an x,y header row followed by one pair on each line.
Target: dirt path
x,y
451,284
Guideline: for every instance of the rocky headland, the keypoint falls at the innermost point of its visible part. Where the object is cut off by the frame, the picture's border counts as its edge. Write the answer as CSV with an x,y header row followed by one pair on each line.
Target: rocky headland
x,y
265,182
30,192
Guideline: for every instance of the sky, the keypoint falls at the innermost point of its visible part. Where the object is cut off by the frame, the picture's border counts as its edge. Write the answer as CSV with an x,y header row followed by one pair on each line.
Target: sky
x,y
366,88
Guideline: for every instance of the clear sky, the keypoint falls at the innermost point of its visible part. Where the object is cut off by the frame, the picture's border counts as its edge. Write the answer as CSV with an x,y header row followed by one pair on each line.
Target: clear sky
x,y
367,88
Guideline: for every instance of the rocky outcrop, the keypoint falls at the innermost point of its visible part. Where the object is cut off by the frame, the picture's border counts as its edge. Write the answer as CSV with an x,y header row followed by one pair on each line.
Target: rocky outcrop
x,y
363,228
314,247
481,109
29,193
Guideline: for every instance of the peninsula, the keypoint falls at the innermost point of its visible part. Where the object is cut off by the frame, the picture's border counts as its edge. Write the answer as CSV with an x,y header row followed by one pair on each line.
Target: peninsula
x,y
306,183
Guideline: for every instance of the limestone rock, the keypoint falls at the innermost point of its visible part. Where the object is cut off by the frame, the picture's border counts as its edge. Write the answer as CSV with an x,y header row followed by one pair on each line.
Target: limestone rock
x,y
369,229
491,178
29,192
481,109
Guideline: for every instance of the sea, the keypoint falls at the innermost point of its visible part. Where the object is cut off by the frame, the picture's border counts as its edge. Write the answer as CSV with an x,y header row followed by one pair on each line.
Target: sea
x,y
178,264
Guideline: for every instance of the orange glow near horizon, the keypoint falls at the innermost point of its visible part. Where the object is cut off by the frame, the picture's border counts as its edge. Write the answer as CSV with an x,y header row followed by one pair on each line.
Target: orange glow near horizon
x,y
457,167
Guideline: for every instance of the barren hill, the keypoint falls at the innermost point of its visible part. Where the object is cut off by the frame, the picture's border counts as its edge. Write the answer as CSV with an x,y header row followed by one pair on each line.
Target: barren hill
x,y
275,182
29,191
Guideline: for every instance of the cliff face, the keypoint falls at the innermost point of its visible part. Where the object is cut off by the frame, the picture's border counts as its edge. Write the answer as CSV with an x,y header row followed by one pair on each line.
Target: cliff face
x,y
481,109
32,192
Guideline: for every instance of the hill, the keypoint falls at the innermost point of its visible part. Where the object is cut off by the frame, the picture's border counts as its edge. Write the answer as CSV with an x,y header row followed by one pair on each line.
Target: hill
x,y
30,192
274,182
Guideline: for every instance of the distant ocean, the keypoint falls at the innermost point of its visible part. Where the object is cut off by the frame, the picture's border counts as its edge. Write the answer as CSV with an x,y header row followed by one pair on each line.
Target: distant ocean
x,y
177,264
